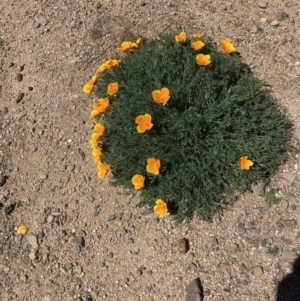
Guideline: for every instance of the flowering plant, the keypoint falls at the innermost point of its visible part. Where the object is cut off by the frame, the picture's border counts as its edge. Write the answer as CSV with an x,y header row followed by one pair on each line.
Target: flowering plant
x,y
186,123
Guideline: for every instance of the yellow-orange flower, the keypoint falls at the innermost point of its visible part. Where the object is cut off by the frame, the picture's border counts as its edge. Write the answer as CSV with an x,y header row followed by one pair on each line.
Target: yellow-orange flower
x,y
197,35
102,105
98,159
95,114
89,87
203,59
153,166
99,128
161,96
109,64
143,123
95,79
95,136
160,208
97,152
197,45
94,143
112,89
22,230
181,38
245,163
227,45
125,46
103,169
137,44
138,181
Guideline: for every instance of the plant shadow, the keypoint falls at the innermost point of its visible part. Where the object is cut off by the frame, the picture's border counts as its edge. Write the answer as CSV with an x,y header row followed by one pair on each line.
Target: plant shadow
x,y
289,287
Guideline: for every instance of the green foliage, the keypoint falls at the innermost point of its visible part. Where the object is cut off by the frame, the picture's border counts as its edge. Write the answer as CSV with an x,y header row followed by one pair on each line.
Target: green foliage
x,y
274,251
270,197
215,115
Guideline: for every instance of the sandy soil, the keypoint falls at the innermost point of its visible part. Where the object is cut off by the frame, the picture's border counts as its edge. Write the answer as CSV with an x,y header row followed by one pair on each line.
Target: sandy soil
x,y
87,239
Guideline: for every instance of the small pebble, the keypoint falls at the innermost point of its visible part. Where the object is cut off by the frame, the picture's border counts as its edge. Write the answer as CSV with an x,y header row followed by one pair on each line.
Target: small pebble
x,y
262,4
19,97
19,77
263,20
258,271
9,209
282,15
50,219
232,248
33,148
81,233
263,243
101,264
156,220
96,213
2,180
78,240
32,239
43,177
32,254
111,217
214,242
130,240
275,23
183,245
48,297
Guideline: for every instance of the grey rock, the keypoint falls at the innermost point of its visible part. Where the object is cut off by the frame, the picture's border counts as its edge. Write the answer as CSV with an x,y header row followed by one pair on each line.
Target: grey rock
x,y
183,245
264,243
258,271
111,217
32,240
19,97
275,23
282,15
68,266
50,219
2,276
96,213
130,240
78,240
9,209
101,264
48,297
96,34
76,248
19,77
2,180
290,223
232,248
194,291
214,242
156,220
262,4
33,148
21,68
81,233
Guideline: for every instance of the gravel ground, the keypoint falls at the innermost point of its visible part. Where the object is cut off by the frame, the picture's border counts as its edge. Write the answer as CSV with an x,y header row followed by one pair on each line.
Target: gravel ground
x,y
86,239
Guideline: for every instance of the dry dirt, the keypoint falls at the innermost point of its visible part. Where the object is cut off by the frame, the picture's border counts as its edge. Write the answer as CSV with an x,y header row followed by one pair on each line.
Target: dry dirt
x,y
91,242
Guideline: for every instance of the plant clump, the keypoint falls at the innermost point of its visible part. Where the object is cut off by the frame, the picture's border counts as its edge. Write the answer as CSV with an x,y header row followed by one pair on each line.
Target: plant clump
x,y
185,122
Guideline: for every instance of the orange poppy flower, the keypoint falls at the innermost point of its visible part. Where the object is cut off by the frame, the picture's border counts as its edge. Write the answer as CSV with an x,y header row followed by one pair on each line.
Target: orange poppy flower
x,y
102,105
94,143
98,159
103,169
161,96
112,89
197,35
95,113
245,163
22,230
160,208
197,45
99,128
137,44
95,79
181,38
125,47
202,59
109,64
96,152
227,45
89,87
138,181
153,166
144,123
95,136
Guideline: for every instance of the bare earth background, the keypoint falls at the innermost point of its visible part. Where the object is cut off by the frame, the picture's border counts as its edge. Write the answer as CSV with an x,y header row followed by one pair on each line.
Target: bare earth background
x,y
88,241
